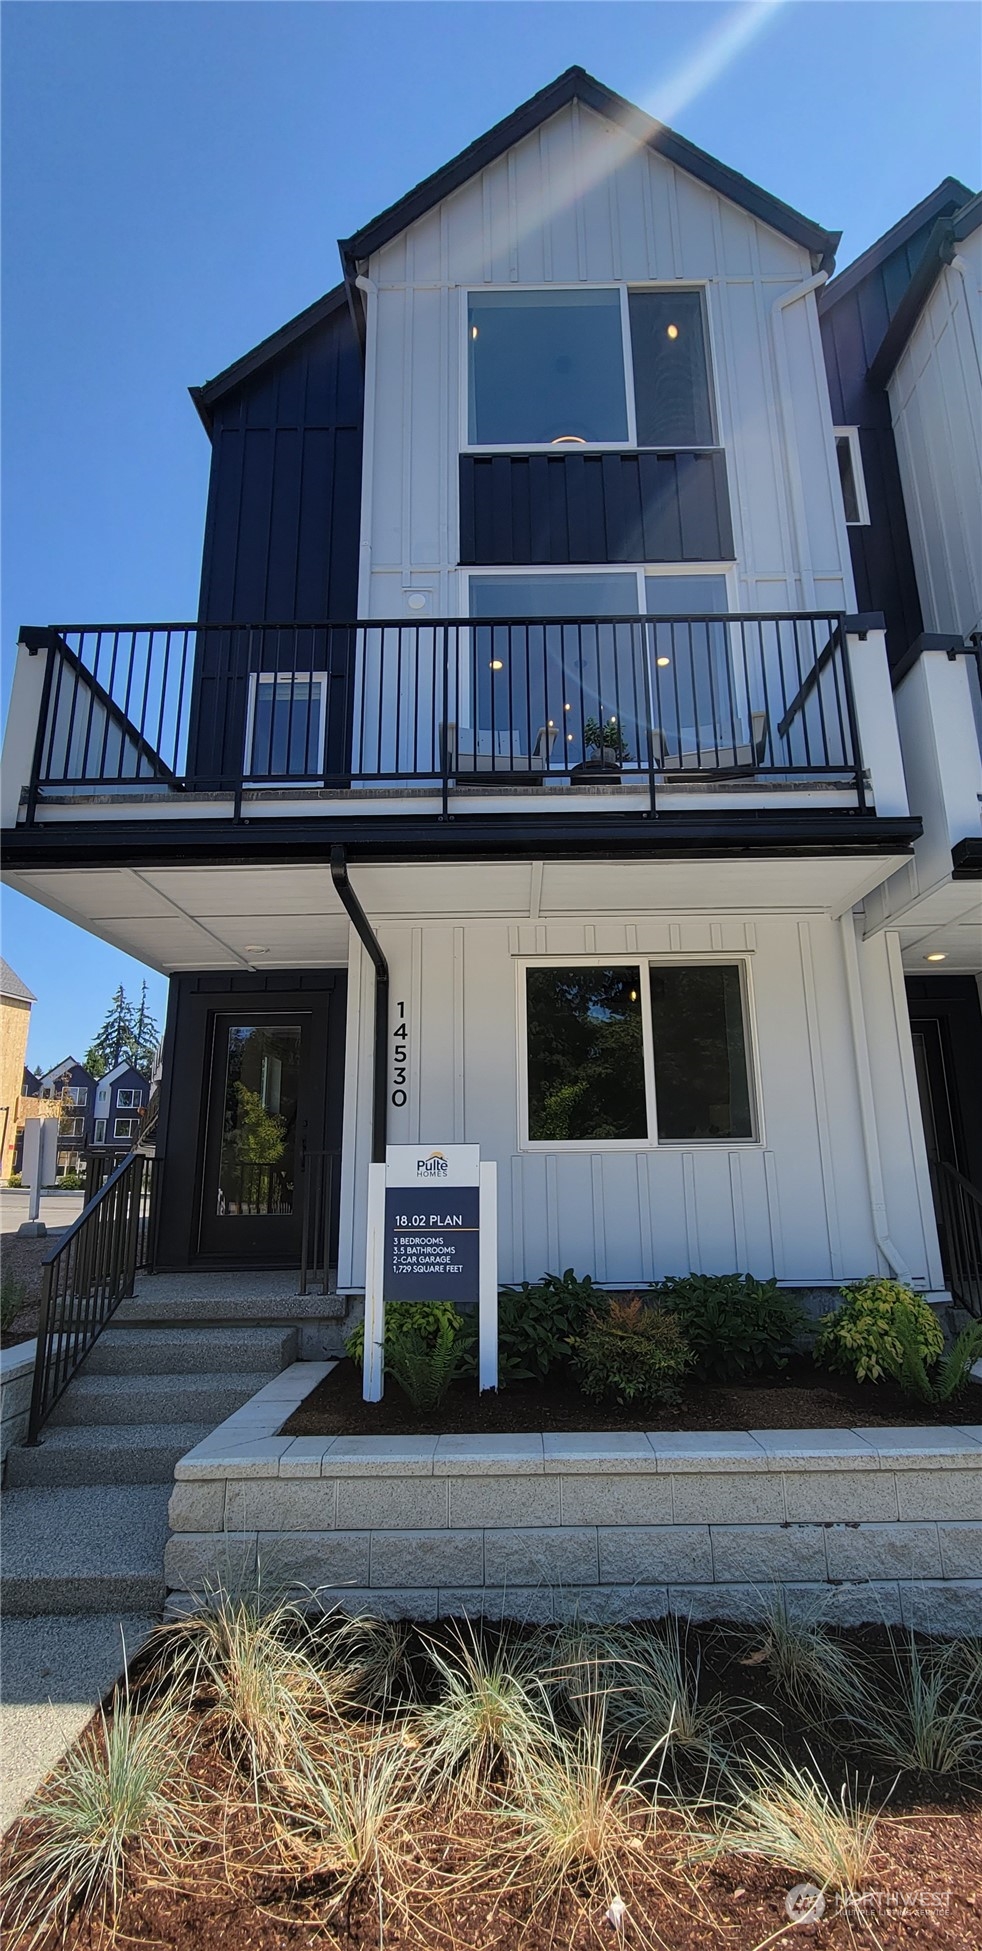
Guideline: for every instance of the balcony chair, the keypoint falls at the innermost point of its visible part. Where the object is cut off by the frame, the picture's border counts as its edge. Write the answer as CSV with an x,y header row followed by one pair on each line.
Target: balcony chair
x,y
498,755
728,759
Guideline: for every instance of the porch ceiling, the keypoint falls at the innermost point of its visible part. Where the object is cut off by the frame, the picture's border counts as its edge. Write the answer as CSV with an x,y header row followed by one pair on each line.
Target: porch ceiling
x,y
214,918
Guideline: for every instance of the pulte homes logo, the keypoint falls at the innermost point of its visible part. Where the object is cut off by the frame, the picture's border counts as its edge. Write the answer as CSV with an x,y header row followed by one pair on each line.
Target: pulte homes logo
x,y
434,1166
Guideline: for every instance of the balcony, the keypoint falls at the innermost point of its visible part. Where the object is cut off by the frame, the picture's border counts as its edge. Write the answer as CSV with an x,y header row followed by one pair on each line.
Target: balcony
x,y
639,713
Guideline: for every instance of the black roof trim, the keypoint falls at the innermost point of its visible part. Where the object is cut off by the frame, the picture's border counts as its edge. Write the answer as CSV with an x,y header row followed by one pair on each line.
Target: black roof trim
x,y
966,860
943,201
939,250
504,836
928,640
968,218
205,397
575,84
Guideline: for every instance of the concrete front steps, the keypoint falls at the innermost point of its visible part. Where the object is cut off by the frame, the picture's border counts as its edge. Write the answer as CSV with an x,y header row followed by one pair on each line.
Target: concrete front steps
x,y
85,1509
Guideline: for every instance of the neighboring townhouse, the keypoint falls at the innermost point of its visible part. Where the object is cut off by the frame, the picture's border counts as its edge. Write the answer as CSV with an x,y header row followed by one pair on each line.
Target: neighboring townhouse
x,y
121,1098
75,1086
15,1022
903,336
531,769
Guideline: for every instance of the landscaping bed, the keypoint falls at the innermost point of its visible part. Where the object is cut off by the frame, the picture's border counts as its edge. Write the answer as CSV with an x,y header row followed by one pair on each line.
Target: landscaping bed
x,y
377,1785
803,1396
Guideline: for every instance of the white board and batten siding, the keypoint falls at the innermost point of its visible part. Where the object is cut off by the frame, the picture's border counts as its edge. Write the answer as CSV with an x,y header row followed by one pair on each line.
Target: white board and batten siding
x,y
796,1203
936,406
579,202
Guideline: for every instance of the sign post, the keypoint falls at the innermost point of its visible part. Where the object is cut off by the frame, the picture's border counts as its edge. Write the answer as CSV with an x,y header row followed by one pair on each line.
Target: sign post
x,y
432,1236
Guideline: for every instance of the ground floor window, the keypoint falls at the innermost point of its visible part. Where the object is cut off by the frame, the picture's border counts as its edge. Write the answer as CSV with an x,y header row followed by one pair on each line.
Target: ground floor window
x,y
637,1052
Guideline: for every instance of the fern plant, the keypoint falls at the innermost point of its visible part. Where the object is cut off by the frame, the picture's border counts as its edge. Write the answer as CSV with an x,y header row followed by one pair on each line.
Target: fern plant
x,y
910,1371
422,1368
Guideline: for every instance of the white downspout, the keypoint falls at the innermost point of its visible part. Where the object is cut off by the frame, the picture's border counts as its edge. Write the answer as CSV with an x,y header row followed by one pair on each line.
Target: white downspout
x,y
867,1108
796,497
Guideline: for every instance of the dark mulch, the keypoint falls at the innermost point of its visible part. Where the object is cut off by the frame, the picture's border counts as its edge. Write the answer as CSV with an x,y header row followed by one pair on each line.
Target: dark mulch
x,y
20,1272
924,1886
803,1397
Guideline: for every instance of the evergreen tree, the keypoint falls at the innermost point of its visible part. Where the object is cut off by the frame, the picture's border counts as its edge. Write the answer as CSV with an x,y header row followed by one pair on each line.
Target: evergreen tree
x,y
146,1036
116,1038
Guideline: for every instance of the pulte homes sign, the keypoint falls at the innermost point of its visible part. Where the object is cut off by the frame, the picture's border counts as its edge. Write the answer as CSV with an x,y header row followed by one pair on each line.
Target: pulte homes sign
x,y
432,1236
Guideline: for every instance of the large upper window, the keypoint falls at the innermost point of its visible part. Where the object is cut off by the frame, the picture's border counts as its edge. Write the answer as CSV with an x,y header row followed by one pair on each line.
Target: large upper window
x,y
586,367
634,1051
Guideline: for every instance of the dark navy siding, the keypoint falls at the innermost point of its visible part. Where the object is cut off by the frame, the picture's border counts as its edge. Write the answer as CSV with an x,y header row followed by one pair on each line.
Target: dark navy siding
x,y
852,329
557,508
282,528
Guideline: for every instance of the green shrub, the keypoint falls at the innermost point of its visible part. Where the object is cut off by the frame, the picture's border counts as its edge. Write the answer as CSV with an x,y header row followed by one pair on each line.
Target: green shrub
x,y
423,1368
630,1352
71,1182
862,1335
15,1181
426,1318
736,1326
13,1299
536,1323
952,1372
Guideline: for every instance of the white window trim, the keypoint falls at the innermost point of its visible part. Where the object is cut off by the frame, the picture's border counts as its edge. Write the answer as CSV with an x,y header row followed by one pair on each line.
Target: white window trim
x,y
740,959
482,572
318,678
125,1121
99,1133
630,445
130,1099
72,1128
77,1094
851,434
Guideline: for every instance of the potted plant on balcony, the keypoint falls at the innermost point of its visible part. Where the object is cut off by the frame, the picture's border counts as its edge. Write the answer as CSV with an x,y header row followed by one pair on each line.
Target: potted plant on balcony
x,y
609,747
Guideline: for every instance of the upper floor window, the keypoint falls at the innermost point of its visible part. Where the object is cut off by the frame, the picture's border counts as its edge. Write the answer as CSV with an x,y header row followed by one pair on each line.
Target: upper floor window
x,y
77,1094
588,367
129,1100
851,480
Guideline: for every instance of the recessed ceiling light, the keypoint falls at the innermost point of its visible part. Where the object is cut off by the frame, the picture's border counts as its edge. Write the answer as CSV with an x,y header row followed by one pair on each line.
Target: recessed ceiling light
x,y
938,956
673,331
497,664
663,661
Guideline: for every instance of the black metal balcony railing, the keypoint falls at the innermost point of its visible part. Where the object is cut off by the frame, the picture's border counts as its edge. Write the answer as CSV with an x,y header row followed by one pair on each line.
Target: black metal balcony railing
x,y
452,702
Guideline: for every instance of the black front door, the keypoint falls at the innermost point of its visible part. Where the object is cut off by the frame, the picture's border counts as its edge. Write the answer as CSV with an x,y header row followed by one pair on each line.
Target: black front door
x,y
265,1109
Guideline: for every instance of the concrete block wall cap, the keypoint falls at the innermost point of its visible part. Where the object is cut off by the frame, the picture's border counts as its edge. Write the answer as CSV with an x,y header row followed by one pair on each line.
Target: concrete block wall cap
x,y
293,1384
815,1449
304,1456
242,1459
908,1448
609,1450
704,1449
501,1454
379,1456
17,1361
974,1430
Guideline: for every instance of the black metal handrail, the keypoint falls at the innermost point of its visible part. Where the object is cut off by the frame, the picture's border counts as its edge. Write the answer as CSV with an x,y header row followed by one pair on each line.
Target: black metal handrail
x,y
318,1175
958,1204
456,701
86,1275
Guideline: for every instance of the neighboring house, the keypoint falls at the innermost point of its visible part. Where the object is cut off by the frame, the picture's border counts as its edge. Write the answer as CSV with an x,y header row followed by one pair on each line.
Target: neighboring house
x,y
15,1022
75,1086
903,337
532,772
121,1098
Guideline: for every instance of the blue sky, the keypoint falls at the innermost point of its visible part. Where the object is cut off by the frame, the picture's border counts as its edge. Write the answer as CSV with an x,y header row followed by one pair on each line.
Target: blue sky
x,y
176,175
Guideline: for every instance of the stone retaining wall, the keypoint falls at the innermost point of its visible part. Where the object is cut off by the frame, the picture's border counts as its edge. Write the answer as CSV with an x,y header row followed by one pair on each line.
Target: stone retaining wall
x,y
16,1383
860,1525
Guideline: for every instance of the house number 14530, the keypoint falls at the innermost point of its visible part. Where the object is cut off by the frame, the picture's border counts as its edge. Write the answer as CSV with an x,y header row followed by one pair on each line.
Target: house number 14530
x,y
400,1053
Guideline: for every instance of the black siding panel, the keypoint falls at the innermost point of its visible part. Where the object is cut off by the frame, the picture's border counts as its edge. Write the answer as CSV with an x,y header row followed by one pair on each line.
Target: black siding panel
x,y
852,329
559,508
282,529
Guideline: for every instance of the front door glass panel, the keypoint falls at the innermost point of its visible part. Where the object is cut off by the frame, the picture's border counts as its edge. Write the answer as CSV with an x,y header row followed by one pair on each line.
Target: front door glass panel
x,y
257,1164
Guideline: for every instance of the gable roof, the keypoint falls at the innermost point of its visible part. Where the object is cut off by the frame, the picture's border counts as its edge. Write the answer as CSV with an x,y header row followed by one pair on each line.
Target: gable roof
x,y
12,986
575,84
58,1070
943,201
207,396
119,1071
939,250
